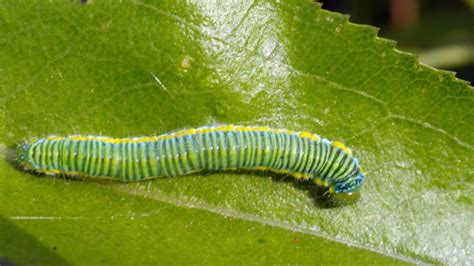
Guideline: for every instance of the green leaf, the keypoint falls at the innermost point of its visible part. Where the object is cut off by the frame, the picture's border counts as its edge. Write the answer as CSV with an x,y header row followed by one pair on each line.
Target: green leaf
x,y
148,67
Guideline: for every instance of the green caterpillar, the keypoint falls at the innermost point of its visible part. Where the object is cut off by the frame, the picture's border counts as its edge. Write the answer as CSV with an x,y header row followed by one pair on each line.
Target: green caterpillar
x,y
301,154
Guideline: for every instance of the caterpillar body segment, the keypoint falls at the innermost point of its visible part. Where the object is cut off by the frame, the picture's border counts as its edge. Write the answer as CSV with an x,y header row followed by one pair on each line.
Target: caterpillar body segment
x,y
301,154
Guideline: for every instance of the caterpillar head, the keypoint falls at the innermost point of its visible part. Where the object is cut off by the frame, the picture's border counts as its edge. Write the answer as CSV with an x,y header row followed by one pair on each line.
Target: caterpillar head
x,y
351,183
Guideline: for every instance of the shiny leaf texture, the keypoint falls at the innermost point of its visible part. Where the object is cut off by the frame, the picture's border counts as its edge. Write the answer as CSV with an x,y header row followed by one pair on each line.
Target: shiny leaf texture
x,y
134,68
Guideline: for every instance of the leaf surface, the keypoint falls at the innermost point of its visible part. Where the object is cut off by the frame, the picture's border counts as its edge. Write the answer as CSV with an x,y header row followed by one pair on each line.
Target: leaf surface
x,y
148,67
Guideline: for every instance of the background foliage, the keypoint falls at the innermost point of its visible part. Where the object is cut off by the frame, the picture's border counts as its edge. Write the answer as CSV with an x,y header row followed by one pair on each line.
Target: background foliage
x,y
147,67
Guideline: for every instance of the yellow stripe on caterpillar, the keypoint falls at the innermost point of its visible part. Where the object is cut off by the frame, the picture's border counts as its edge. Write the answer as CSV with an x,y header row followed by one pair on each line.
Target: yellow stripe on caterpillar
x,y
341,146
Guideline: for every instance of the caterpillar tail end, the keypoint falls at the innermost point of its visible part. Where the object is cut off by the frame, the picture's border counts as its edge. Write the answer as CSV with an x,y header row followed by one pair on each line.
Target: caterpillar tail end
x,y
21,157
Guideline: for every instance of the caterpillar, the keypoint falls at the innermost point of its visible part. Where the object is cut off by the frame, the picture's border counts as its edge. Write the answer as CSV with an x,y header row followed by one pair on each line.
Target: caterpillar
x,y
303,155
